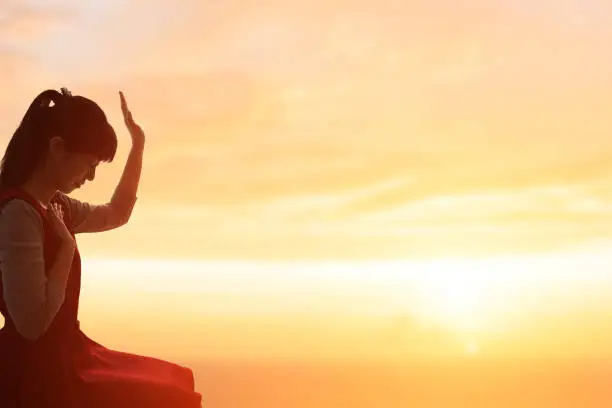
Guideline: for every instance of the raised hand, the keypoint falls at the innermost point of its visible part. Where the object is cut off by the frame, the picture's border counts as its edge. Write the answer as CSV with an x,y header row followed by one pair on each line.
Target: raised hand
x,y
138,136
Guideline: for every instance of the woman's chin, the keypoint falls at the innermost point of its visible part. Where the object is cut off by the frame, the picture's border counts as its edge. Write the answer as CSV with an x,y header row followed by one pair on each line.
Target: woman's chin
x,y
67,189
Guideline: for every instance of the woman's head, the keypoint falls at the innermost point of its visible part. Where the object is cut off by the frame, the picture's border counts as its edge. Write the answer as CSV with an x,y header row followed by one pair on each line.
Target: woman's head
x,y
63,136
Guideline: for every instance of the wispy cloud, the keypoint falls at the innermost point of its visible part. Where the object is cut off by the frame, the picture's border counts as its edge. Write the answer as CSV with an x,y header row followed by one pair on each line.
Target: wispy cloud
x,y
21,22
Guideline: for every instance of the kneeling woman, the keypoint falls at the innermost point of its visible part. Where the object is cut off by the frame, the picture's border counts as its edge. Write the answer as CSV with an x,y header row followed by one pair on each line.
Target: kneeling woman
x,y
47,361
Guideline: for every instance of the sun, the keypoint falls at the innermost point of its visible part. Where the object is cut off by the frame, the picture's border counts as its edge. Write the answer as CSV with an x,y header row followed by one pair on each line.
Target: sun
x,y
459,297
457,300
472,348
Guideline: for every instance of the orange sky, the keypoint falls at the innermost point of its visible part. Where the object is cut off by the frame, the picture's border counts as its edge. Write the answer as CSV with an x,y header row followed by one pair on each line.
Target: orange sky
x,y
393,311
343,129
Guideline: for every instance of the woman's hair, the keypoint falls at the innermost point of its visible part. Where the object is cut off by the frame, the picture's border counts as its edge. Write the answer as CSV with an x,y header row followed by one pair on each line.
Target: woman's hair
x,y
80,122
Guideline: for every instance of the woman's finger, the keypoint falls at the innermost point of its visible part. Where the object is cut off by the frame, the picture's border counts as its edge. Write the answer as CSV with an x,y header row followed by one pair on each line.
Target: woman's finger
x,y
124,107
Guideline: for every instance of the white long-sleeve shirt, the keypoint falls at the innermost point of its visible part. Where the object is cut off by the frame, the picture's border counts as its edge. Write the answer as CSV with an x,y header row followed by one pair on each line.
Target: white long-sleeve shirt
x,y
31,298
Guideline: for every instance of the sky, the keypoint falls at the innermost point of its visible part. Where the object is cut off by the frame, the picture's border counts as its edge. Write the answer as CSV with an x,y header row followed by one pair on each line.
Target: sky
x,y
336,130
435,175
390,311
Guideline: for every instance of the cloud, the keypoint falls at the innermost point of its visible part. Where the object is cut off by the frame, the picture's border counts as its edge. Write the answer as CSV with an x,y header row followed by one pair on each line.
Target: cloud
x,y
271,98
21,23
24,28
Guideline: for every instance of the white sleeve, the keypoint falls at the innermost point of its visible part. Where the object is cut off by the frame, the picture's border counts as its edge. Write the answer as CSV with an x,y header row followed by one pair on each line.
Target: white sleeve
x,y
32,300
87,217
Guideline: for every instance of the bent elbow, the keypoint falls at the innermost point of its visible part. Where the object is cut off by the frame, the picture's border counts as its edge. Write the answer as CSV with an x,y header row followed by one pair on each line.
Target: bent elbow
x,y
120,217
124,219
121,220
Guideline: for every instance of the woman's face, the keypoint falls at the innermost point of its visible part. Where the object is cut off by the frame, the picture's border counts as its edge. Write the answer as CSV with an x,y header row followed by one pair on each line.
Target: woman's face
x,y
71,169
78,168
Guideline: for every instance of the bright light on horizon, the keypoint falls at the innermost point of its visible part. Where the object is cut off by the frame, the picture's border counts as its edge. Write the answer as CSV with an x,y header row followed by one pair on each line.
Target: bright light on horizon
x,y
475,306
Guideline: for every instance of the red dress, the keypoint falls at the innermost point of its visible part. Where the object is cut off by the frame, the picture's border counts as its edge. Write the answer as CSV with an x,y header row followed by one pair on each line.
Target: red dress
x,y
66,369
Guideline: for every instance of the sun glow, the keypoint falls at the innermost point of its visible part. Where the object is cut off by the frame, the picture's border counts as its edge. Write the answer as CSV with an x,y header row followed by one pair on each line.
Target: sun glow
x,y
459,297
474,298
385,310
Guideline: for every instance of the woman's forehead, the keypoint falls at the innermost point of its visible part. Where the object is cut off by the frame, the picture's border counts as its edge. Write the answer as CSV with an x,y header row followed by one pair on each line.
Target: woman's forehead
x,y
87,157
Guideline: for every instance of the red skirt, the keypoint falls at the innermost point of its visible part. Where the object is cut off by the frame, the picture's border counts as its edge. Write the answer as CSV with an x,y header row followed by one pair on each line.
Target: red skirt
x,y
84,374
115,379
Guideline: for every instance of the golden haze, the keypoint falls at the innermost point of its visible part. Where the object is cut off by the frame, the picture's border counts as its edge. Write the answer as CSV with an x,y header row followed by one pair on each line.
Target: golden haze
x,y
421,183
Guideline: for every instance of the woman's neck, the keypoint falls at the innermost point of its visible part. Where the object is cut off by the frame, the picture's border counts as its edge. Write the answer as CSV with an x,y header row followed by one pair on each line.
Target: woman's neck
x,y
40,189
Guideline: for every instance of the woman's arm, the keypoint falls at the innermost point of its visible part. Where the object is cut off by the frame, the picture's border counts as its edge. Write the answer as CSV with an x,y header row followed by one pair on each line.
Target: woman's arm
x,y
32,299
95,218
86,217
125,193
128,184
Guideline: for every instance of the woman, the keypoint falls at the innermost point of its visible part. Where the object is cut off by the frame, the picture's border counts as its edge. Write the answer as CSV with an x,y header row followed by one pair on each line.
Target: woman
x,y
46,360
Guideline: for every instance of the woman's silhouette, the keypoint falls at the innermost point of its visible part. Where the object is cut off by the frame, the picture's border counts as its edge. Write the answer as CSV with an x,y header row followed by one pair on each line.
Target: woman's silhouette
x,y
45,359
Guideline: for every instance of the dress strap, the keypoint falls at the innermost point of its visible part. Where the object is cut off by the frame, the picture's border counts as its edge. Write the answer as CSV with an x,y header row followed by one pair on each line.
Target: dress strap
x,y
9,194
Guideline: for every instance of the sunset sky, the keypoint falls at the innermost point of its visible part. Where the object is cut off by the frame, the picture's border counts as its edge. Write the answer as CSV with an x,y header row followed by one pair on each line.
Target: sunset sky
x,y
437,175
281,129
